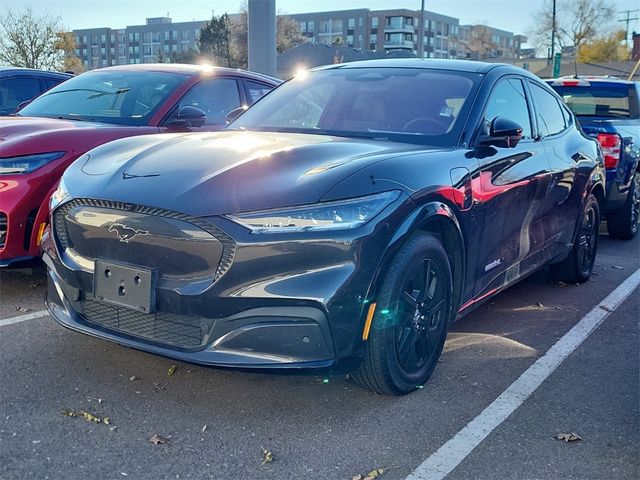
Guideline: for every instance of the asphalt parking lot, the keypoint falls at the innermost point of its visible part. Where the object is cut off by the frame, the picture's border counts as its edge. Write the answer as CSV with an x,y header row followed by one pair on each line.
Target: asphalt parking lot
x,y
218,422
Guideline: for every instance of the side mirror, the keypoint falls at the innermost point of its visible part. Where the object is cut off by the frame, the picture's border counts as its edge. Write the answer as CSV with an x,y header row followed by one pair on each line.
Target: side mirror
x,y
502,133
235,113
188,116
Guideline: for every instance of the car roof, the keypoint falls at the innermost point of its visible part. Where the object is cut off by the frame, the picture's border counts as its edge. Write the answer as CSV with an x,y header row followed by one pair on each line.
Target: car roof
x,y
32,71
427,63
189,69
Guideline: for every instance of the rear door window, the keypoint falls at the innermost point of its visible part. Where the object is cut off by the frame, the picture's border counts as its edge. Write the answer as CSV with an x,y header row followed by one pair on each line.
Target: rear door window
x,y
548,111
256,90
15,90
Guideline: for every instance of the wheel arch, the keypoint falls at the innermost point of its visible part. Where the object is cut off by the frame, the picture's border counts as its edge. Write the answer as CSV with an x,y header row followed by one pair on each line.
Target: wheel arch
x,y
439,219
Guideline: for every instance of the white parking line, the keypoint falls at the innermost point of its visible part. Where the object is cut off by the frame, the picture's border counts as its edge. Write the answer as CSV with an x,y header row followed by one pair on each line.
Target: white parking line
x,y
24,318
449,455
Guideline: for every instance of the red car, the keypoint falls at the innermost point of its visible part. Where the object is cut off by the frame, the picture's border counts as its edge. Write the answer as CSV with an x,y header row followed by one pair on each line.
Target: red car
x,y
94,108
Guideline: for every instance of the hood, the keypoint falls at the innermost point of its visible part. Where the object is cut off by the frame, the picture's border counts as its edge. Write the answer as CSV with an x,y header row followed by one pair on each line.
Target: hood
x,y
224,172
26,135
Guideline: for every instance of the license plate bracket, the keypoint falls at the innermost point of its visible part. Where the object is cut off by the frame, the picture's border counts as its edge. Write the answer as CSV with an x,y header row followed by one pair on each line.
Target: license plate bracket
x,y
128,286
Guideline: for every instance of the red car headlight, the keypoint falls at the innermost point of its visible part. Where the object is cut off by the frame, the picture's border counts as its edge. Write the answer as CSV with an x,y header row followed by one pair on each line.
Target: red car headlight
x,y
27,163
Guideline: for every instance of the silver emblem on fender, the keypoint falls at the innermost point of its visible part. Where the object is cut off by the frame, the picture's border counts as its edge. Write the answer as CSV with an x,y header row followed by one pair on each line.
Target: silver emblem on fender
x,y
493,265
125,233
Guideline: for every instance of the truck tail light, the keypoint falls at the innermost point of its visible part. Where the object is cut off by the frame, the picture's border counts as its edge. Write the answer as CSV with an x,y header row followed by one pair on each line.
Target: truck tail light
x,y
611,144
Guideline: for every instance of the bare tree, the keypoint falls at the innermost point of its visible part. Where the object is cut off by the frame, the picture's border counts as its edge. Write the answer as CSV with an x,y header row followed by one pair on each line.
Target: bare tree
x,y
31,41
577,22
480,41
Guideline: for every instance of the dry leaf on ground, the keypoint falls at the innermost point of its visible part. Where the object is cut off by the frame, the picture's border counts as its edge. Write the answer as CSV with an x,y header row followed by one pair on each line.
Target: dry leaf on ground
x,y
89,417
157,439
172,370
568,437
267,456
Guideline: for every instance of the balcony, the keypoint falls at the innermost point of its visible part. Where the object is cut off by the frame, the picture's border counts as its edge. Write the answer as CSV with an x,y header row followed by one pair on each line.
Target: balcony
x,y
399,28
396,44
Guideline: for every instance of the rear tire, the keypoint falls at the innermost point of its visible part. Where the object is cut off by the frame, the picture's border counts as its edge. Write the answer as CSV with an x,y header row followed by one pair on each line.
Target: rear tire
x,y
413,313
577,267
623,223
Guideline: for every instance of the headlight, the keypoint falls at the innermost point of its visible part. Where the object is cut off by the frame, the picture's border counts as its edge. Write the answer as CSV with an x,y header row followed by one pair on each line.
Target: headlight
x,y
340,215
27,163
59,196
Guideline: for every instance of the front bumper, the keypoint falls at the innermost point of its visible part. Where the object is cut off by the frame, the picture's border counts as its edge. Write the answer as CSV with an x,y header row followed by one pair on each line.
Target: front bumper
x,y
284,303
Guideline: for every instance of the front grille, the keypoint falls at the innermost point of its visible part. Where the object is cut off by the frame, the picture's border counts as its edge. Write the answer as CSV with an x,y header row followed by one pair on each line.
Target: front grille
x,y
171,261
177,330
3,229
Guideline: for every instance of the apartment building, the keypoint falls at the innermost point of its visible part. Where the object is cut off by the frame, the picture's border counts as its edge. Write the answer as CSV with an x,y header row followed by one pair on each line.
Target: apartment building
x,y
382,30
159,37
480,42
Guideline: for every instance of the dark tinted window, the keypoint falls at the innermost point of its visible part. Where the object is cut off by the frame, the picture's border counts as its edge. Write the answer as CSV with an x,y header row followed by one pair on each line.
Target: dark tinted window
x,y
601,101
548,111
216,97
508,100
256,90
110,96
398,104
15,90
51,82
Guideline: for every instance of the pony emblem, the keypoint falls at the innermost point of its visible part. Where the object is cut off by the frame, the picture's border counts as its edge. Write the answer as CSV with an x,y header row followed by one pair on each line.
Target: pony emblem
x,y
125,233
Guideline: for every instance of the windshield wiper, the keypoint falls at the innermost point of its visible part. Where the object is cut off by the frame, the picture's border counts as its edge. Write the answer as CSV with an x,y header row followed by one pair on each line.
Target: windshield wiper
x,y
100,94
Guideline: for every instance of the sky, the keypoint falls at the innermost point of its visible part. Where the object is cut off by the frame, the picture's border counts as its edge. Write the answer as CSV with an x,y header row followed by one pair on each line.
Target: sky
x,y
517,16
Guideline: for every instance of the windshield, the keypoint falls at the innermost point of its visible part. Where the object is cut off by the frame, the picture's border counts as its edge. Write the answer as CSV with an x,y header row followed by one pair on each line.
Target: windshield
x,y
598,101
397,104
119,97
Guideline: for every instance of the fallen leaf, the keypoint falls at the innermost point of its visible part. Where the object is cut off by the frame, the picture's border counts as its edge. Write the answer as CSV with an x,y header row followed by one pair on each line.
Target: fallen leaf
x,y
89,417
568,437
23,309
605,308
617,267
132,378
374,474
562,284
267,456
157,439
204,429
474,384
172,370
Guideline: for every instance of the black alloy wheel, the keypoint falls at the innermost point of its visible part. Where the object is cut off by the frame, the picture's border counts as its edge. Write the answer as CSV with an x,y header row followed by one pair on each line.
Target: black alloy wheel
x,y
414,311
577,267
420,315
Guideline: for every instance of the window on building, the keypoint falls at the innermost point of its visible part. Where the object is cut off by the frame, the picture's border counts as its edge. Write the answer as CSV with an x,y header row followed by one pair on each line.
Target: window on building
x,y
310,27
360,21
374,22
351,23
350,40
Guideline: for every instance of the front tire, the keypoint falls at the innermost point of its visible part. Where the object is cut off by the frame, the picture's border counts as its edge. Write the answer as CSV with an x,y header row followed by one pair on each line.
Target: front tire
x,y
623,223
577,267
413,313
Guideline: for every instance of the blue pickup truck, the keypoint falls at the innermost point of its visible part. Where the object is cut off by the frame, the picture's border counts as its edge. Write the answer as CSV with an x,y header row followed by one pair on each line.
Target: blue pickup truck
x,y
608,109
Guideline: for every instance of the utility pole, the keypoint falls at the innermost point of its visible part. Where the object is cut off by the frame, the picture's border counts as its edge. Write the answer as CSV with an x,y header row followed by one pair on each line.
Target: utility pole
x,y
261,23
421,32
553,33
627,21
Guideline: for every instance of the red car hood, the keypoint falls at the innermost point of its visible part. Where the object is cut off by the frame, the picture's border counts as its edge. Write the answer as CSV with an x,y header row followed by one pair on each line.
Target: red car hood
x,y
26,135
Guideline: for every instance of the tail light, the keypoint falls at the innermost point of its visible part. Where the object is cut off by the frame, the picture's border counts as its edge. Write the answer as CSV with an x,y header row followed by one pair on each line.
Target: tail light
x,y
611,144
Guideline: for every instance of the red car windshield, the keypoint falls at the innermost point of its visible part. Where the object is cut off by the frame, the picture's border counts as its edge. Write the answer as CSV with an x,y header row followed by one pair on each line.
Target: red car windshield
x,y
118,97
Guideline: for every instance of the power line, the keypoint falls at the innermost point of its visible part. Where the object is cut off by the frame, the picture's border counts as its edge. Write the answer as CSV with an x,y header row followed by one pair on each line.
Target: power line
x,y
627,21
